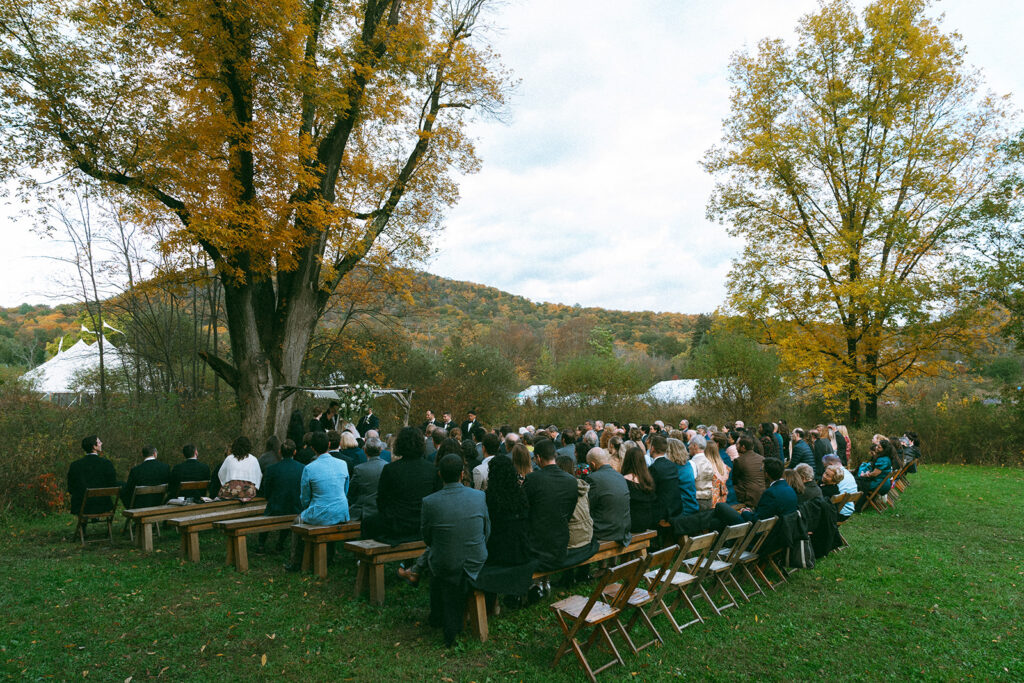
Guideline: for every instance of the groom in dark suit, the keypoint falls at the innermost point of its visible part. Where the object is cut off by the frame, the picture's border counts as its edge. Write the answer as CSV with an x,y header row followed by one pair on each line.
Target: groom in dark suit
x,y
455,527
367,422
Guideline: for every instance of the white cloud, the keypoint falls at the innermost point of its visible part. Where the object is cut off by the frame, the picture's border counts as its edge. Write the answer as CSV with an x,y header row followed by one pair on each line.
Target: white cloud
x,y
593,192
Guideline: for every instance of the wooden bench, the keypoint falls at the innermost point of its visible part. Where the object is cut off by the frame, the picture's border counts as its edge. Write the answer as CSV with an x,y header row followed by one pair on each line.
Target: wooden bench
x,y
315,539
142,491
476,608
372,556
145,518
189,525
236,530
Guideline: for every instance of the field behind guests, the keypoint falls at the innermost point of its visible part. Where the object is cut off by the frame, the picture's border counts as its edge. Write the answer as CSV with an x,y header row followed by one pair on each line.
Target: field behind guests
x,y
931,591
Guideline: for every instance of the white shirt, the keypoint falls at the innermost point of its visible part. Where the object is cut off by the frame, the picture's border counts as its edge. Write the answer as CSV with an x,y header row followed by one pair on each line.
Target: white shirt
x,y
246,469
480,474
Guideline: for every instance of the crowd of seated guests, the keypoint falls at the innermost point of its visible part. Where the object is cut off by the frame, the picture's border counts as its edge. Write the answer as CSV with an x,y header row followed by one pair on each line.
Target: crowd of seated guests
x,y
550,495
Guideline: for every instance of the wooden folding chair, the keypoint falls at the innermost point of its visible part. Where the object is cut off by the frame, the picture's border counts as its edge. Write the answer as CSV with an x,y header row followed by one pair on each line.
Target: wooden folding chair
x,y
874,499
839,500
191,486
578,612
84,518
696,548
657,564
142,491
751,554
723,565
712,566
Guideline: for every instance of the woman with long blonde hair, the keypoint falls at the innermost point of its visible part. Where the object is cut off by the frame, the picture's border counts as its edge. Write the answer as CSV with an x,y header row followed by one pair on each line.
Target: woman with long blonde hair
x,y
719,487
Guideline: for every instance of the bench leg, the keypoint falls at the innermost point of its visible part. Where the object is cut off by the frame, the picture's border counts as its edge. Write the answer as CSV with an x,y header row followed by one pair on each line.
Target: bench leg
x,y
362,576
377,584
241,553
146,537
229,555
477,608
320,560
307,555
193,546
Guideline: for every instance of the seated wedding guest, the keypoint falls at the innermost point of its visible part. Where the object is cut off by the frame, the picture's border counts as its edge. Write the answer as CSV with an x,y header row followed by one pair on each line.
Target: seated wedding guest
x,y
322,493
802,452
748,472
795,482
721,440
643,502
385,453
281,486
190,469
876,470
719,473
296,427
401,488
608,499
810,487
616,452
779,499
552,494
149,472
306,453
509,510
568,443
362,492
687,481
581,524
703,472
491,443
666,479
437,438
837,479
271,452
522,461
240,473
455,527
91,471
470,457
349,450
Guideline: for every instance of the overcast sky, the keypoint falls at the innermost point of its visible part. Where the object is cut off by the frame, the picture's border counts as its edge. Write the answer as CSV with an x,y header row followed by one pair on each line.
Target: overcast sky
x,y
591,190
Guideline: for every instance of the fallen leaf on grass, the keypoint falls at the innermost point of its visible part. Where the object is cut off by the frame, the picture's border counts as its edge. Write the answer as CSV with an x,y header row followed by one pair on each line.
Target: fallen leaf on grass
x,y
263,660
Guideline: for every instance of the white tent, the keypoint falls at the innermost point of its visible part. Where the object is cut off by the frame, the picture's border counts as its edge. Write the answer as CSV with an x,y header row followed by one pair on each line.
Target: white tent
x,y
673,391
533,392
58,375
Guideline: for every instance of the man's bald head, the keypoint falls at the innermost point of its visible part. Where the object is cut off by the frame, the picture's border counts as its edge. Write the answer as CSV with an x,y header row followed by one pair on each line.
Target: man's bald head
x,y
597,457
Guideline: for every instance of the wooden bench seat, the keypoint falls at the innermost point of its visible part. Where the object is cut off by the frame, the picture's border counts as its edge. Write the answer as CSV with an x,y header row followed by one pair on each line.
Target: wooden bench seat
x,y
372,556
476,609
189,525
315,539
146,518
236,531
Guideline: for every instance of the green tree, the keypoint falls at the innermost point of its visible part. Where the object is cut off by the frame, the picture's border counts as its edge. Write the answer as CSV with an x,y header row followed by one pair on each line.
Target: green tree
x,y
737,377
851,164
596,376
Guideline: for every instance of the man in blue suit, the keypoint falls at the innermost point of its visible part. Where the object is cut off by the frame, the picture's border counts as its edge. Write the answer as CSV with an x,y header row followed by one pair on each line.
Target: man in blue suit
x,y
455,527
779,499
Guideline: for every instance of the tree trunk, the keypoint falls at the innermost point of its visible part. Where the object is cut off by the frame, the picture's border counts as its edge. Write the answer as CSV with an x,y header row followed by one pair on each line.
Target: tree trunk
x,y
854,411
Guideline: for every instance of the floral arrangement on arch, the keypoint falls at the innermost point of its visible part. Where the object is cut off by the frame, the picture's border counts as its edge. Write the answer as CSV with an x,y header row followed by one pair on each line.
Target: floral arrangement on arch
x,y
355,400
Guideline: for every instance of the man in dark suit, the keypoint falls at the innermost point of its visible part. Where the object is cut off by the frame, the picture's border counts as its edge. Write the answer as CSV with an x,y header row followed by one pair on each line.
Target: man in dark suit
x,y
367,422
188,470
779,499
431,420
608,498
149,472
552,494
362,492
91,471
666,480
455,527
402,486
568,443
467,426
821,447
281,486
802,452
748,472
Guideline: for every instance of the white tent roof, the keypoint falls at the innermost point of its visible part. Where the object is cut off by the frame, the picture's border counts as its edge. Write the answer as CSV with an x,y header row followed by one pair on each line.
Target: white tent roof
x,y
57,375
673,391
532,392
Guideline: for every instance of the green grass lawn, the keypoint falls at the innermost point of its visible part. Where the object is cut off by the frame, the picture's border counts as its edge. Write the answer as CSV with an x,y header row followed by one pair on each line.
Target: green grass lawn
x,y
929,591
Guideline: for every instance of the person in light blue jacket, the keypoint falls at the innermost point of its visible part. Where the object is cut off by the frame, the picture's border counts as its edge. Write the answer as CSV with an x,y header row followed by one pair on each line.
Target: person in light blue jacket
x,y
323,493
323,490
